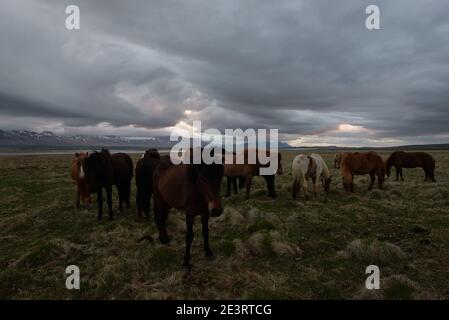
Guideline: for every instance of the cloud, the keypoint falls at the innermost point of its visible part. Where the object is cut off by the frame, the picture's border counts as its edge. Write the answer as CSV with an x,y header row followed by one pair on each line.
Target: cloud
x,y
305,67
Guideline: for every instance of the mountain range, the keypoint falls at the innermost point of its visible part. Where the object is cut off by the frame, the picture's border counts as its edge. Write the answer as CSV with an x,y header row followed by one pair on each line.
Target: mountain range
x,y
47,140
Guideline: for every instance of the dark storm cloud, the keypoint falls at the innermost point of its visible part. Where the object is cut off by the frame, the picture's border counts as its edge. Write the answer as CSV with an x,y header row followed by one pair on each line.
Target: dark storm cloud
x,y
301,66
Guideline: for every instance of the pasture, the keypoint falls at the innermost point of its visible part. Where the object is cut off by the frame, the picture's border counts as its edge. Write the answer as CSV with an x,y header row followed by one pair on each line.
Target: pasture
x,y
264,249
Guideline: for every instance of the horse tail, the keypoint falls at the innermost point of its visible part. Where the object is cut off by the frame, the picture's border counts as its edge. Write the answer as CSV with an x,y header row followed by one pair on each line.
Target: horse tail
x,y
312,167
129,161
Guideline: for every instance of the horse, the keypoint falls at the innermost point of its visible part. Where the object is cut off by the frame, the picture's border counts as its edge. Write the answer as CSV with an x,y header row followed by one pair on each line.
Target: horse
x,y
248,171
78,175
231,180
337,159
144,180
103,171
305,167
359,164
192,188
401,159
123,174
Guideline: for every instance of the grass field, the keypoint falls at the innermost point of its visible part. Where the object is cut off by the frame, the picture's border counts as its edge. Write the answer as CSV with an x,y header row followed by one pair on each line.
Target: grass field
x,y
277,249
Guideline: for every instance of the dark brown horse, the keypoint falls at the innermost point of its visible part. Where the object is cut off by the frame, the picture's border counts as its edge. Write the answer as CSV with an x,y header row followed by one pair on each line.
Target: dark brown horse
x,y
233,182
102,171
193,188
144,180
401,159
248,171
359,164
79,176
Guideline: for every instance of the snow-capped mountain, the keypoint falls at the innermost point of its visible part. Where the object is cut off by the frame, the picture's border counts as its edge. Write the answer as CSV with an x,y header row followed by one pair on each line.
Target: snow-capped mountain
x,y
25,139
47,139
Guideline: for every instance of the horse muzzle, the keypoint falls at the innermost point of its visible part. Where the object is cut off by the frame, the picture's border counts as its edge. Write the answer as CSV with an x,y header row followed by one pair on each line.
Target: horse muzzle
x,y
215,211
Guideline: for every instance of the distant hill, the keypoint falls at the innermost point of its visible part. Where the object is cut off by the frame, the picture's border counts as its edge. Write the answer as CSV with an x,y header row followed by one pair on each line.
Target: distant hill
x,y
442,146
29,140
25,140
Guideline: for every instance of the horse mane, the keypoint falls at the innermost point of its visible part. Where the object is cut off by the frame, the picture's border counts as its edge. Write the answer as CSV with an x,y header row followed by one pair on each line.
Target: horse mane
x,y
152,153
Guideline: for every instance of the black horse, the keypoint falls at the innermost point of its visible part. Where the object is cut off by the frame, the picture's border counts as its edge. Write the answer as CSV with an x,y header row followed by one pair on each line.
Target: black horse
x,y
102,171
144,180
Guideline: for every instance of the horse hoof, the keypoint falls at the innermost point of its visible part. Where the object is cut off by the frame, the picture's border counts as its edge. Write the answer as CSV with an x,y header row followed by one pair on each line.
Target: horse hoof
x,y
187,268
209,255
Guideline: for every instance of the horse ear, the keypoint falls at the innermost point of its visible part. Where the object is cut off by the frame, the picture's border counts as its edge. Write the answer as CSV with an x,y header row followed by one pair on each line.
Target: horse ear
x,y
76,154
87,154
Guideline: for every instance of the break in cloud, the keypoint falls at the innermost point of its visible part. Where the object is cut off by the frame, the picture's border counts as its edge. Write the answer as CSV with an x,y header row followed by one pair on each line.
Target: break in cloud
x,y
309,68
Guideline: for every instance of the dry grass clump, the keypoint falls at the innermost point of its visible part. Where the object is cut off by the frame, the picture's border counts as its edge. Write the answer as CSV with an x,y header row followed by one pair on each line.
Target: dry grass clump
x,y
378,251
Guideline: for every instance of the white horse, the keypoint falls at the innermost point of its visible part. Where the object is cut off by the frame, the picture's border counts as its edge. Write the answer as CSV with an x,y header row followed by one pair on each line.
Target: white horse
x,y
305,167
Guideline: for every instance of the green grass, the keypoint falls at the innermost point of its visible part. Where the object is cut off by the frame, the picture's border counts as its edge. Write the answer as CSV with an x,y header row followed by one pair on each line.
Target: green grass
x,y
264,249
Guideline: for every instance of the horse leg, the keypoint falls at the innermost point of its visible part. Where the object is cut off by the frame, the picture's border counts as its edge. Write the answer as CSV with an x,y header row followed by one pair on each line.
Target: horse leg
x,y
241,182
78,195
400,173
304,186
373,179
315,186
89,199
234,184
147,206
160,215
100,202
205,225
248,181
432,174
295,189
139,201
228,186
120,197
270,186
380,180
189,239
109,201
397,173
128,194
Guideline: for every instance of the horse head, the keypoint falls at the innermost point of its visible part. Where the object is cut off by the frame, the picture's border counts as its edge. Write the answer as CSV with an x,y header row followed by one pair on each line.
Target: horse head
x,y
207,178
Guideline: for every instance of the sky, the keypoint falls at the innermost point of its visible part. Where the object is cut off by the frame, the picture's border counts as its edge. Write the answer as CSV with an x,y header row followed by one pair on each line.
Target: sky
x,y
310,69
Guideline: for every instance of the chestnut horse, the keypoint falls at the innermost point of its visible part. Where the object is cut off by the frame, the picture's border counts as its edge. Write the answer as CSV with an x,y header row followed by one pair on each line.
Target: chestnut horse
x,y
102,171
359,164
192,188
248,171
401,159
79,176
231,180
144,180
